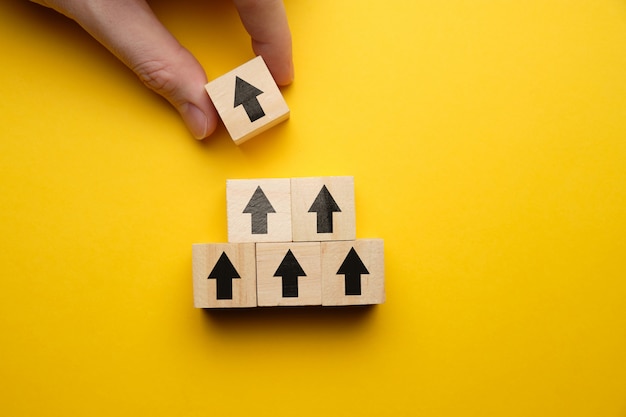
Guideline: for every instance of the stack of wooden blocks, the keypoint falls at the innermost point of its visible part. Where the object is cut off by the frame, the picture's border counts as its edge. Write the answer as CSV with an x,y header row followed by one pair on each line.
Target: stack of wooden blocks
x,y
291,242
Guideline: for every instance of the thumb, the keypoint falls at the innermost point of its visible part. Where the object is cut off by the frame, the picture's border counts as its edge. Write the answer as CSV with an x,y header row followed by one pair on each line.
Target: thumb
x,y
178,77
131,31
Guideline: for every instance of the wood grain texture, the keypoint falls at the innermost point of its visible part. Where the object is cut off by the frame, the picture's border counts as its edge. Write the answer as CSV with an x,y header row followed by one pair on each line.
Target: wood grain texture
x,y
289,264
259,210
248,100
205,257
339,268
313,222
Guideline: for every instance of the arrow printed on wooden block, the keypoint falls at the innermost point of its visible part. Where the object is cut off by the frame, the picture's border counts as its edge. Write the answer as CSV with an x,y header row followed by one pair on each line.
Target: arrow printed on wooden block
x,y
246,96
259,207
290,269
324,205
352,267
223,273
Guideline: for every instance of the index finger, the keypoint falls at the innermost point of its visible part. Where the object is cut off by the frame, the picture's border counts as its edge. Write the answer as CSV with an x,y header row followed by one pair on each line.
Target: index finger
x,y
266,22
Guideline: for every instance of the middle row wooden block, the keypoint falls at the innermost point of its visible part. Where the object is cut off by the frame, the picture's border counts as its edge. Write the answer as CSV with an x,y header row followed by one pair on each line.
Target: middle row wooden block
x,y
298,209
288,274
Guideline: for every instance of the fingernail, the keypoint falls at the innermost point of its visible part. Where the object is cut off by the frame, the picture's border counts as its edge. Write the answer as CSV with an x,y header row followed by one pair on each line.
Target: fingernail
x,y
292,73
195,119
287,78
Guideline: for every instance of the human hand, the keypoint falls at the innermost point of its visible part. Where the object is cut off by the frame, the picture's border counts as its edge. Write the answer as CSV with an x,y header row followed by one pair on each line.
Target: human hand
x,y
131,31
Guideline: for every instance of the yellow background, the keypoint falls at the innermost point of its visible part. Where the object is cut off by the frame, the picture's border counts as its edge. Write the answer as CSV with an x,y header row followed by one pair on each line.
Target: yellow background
x,y
488,144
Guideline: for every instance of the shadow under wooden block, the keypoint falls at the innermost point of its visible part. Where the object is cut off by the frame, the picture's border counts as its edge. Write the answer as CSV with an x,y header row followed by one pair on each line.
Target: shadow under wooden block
x,y
289,274
259,210
323,209
248,100
353,272
224,275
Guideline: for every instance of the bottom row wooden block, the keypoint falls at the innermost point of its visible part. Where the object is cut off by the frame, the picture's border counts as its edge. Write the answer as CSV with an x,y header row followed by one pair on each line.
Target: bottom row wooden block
x,y
288,274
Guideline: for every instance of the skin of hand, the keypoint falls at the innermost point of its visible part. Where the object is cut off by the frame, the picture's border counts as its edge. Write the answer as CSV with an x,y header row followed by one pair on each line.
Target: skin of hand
x,y
131,31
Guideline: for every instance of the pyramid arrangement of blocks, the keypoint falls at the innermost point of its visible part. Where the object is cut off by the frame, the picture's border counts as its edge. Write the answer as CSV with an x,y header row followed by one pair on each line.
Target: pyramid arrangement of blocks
x,y
291,242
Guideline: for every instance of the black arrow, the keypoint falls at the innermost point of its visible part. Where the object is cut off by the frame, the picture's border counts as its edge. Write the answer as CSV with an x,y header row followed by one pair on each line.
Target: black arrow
x,y
289,269
324,205
352,267
259,207
224,272
245,94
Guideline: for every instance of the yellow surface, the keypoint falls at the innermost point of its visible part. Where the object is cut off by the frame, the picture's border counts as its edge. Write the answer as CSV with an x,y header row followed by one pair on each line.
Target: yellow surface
x,y
488,144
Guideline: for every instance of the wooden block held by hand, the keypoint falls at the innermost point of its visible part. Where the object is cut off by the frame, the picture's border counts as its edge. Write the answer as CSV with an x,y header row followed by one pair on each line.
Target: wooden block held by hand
x,y
248,100
224,275
259,210
353,272
323,208
289,274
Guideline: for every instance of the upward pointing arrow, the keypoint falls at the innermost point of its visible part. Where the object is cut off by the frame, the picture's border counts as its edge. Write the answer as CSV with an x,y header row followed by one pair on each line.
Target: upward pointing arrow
x,y
259,207
352,267
245,94
324,205
223,273
290,270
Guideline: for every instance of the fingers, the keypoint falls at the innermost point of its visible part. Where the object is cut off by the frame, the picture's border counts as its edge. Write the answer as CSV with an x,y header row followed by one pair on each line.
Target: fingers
x,y
266,22
130,30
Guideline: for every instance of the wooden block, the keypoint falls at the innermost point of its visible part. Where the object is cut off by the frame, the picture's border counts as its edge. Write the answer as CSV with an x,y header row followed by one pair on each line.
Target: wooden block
x,y
248,100
224,275
323,208
259,210
289,274
353,272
